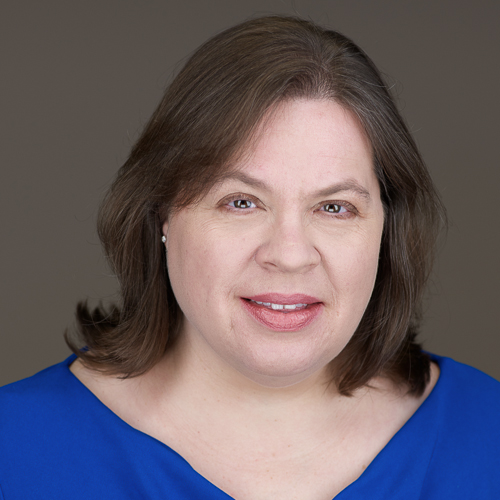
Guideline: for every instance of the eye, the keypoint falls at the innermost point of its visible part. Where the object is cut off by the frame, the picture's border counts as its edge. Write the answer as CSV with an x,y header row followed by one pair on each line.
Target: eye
x,y
334,208
242,204
239,203
338,209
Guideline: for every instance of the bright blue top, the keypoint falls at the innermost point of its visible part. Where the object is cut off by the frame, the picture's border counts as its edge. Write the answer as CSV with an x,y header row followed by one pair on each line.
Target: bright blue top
x,y
59,442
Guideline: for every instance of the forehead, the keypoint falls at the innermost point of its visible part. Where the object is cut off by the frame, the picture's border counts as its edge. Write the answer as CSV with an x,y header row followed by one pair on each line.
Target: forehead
x,y
307,142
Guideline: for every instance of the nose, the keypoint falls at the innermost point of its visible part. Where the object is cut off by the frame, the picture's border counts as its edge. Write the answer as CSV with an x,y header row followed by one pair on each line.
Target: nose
x,y
288,247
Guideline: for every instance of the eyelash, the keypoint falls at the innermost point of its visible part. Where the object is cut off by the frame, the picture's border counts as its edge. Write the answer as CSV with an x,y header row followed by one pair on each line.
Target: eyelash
x,y
225,203
242,208
350,210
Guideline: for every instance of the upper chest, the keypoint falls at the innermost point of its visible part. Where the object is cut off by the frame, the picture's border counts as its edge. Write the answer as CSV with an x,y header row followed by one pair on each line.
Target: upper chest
x,y
316,464
312,459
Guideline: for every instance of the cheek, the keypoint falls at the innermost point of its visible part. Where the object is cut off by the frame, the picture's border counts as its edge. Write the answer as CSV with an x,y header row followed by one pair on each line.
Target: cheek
x,y
190,269
352,269
203,265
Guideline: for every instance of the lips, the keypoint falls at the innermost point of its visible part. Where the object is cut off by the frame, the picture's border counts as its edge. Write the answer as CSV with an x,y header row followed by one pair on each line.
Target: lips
x,y
284,313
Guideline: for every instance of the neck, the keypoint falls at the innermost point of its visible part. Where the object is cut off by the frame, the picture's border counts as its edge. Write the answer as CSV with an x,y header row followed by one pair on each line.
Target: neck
x,y
220,394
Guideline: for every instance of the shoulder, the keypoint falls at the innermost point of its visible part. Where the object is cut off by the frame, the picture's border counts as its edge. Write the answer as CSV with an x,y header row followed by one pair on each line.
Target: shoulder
x,y
36,408
464,412
55,434
42,418
42,390
466,401
466,391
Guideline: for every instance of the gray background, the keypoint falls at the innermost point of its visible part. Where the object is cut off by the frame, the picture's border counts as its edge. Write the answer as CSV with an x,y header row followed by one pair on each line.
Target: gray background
x,y
79,80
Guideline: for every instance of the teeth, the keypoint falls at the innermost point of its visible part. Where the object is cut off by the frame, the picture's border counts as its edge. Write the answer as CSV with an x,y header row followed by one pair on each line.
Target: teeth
x,y
280,307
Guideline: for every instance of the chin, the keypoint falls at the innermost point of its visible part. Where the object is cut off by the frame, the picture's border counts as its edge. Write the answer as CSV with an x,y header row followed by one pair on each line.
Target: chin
x,y
285,366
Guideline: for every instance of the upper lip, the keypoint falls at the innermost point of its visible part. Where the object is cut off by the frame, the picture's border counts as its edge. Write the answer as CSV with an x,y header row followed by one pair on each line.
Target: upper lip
x,y
285,299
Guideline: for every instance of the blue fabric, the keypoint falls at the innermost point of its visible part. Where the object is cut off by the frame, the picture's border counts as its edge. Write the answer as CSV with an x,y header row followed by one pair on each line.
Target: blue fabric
x,y
58,441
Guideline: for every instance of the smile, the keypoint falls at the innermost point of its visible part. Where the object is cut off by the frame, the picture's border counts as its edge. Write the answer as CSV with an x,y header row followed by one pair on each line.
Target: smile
x,y
280,307
283,313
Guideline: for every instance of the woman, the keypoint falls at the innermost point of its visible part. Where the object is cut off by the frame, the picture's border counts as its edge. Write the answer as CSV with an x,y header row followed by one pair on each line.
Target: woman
x,y
272,232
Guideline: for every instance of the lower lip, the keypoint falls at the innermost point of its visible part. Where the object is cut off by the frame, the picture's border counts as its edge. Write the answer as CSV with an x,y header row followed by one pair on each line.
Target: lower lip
x,y
290,321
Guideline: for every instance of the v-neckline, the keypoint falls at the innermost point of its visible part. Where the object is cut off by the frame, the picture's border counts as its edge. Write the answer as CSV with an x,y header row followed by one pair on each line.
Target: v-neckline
x,y
374,469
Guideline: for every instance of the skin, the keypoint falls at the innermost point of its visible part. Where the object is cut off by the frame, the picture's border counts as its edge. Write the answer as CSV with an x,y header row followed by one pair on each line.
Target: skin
x,y
311,156
248,406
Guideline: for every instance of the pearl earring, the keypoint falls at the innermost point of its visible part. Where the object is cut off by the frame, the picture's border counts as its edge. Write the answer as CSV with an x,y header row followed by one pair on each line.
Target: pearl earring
x,y
164,239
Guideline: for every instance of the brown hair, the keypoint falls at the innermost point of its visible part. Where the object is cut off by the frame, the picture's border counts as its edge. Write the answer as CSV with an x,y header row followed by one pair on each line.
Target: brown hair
x,y
204,120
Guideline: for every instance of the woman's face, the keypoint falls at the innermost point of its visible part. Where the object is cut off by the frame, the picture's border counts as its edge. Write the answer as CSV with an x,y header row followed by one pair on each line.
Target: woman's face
x,y
274,268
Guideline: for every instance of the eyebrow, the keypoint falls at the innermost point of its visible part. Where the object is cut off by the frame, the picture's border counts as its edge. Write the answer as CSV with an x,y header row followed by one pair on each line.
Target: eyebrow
x,y
347,185
246,179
